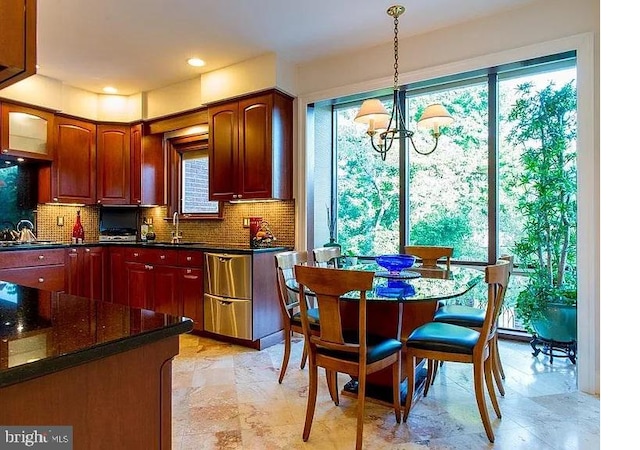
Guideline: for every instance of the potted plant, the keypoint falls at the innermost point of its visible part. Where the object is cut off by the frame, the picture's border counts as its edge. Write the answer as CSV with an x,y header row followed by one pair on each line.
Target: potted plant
x,y
544,124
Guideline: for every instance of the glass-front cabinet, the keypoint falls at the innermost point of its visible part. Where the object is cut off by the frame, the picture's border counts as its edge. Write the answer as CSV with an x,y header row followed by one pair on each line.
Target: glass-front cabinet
x,y
26,132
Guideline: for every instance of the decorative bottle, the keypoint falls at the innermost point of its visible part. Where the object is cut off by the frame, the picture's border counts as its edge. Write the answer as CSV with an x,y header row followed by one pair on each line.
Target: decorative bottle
x,y
77,236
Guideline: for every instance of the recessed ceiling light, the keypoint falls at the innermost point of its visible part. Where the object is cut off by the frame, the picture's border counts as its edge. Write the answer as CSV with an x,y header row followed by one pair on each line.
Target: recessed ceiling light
x,y
110,90
195,62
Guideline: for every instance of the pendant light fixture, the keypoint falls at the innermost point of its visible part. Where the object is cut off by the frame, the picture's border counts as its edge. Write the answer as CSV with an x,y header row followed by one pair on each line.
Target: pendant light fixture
x,y
384,128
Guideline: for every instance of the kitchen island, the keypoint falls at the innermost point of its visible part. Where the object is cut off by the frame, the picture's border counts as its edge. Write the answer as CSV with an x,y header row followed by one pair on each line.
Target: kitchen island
x,y
102,368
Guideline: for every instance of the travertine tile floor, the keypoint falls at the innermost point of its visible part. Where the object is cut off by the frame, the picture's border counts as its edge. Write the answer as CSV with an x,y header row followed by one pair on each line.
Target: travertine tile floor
x,y
228,397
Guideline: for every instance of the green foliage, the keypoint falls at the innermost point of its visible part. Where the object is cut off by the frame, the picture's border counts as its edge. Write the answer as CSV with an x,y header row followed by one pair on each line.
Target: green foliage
x,y
545,127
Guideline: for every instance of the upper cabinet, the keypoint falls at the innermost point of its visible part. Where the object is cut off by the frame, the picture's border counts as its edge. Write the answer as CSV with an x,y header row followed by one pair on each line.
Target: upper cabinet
x,y
147,167
251,148
72,174
26,132
114,164
17,40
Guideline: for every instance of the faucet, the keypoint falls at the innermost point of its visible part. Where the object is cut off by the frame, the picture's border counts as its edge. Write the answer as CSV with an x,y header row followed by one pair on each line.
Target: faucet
x,y
175,234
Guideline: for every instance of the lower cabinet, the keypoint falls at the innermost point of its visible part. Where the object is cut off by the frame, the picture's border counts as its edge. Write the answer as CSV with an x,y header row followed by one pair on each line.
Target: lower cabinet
x,y
86,272
41,269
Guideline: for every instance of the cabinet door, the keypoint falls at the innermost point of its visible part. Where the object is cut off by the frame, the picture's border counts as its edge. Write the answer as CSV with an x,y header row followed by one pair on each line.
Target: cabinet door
x,y
17,40
116,276
223,151
26,132
114,164
139,285
192,292
255,161
166,297
74,271
93,273
147,167
73,171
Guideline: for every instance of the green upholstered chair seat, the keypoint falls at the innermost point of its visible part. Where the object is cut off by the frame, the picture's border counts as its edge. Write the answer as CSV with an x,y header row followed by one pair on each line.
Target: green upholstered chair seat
x,y
378,347
465,316
314,318
443,337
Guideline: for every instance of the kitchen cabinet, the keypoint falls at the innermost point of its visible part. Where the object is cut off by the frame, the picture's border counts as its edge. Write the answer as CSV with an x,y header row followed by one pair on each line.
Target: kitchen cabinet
x,y
251,148
165,280
113,152
71,177
17,40
26,132
147,167
86,272
41,269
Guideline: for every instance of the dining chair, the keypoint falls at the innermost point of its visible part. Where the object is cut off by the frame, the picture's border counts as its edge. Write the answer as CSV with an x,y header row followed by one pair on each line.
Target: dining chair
x,y
439,341
289,305
429,256
473,317
327,256
356,352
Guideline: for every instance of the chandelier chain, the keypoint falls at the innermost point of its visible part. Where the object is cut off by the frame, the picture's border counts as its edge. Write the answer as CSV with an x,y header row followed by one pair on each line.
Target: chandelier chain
x,y
395,52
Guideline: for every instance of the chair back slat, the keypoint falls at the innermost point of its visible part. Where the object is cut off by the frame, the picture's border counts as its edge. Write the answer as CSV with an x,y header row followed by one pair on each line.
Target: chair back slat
x,y
326,256
430,254
329,285
285,261
496,276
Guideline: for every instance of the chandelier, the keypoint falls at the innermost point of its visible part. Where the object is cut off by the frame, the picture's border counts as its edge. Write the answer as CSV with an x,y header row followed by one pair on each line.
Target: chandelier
x,y
384,128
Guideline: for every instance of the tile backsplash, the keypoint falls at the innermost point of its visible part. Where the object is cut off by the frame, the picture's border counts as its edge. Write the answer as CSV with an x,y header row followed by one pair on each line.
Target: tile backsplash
x,y
226,231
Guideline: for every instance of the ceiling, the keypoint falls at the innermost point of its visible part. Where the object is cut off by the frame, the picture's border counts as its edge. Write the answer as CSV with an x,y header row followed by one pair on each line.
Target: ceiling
x,y
140,45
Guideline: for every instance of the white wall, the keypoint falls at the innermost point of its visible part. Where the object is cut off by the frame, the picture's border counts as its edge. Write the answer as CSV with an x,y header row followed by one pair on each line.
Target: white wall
x,y
541,28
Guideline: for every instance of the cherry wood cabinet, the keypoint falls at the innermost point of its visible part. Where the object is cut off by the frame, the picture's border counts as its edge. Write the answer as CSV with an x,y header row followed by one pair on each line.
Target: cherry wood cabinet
x,y
41,269
17,40
71,177
113,164
26,132
147,167
251,148
86,272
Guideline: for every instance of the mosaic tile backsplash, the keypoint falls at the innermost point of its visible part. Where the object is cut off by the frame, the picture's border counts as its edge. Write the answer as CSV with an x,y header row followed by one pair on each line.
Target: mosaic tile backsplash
x,y
226,231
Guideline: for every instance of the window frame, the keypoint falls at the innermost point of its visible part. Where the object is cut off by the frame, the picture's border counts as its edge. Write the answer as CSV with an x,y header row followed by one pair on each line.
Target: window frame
x,y
176,147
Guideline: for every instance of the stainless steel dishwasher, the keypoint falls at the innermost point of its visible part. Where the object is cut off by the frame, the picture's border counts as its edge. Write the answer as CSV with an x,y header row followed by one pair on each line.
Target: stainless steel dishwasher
x,y
227,297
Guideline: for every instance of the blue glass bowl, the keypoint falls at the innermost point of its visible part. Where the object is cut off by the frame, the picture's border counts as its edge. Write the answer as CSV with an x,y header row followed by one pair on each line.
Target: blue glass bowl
x,y
395,263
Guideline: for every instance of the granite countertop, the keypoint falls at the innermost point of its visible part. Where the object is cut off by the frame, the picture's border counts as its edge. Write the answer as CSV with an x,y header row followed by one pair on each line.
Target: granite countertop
x,y
43,332
200,246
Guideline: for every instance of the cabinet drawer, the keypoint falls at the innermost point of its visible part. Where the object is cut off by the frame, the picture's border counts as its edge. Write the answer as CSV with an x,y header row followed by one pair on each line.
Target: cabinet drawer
x,y
190,258
30,258
48,278
163,257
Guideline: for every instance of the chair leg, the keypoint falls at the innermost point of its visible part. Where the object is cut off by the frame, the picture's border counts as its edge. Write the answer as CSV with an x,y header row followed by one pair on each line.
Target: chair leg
x,y
303,360
396,389
287,353
488,376
332,384
435,372
431,374
411,381
311,399
478,385
500,368
360,410
495,365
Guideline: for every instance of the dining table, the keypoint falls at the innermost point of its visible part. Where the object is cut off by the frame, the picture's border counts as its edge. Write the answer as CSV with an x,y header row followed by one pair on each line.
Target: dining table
x,y
397,303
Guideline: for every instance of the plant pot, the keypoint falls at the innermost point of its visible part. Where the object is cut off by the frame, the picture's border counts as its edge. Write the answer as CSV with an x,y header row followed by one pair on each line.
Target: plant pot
x,y
559,323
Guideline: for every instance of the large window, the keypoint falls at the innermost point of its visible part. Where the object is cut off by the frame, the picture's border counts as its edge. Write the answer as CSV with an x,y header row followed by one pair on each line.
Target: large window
x,y
467,194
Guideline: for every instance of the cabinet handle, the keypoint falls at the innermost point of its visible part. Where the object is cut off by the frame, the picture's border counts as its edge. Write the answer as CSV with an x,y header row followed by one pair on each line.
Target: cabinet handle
x,y
40,280
162,257
87,250
5,151
189,258
191,277
55,199
188,270
135,255
40,257
239,195
74,250
148,267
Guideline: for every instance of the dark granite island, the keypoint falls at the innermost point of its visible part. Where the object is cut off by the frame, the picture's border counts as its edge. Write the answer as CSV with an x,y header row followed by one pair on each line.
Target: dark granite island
x,y
102,368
